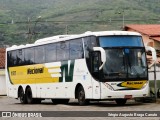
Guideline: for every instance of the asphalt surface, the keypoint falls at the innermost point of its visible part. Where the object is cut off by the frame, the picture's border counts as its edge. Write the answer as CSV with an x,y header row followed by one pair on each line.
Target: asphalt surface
x,y
72,108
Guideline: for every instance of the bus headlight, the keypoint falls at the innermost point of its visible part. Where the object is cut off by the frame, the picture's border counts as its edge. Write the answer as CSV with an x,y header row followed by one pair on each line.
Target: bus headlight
x,y
145,85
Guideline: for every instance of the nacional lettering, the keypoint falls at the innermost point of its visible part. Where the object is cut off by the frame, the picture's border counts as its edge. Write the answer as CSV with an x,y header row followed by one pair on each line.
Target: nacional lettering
x,y
134,83
35,70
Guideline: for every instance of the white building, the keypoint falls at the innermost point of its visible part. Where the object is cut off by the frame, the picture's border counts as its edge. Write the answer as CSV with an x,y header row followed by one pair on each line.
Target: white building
x,y
2,72
2,82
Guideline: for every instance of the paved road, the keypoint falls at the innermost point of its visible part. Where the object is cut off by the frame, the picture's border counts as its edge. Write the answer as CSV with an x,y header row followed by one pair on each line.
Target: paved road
x,y
10,104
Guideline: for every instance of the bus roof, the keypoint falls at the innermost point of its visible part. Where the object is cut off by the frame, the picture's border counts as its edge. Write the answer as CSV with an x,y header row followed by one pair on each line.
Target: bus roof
x,y
58,38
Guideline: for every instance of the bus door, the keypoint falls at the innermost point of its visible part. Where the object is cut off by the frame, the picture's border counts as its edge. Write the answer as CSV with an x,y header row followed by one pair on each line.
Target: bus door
x,y
95,63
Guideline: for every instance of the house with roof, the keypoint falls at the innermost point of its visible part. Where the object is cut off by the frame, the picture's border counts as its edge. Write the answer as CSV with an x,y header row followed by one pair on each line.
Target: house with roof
x,y
151,37
2,72
150,34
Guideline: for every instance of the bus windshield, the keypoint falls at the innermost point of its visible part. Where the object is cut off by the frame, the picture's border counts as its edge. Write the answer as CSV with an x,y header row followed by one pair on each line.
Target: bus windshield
x,y
127,61
121,41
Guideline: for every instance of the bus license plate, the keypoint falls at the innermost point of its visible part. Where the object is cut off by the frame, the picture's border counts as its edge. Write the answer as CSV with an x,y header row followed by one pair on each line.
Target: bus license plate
x,y
128,96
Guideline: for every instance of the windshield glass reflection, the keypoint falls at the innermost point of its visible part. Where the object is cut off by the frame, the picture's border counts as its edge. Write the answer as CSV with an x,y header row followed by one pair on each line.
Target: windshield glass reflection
x,y
125,63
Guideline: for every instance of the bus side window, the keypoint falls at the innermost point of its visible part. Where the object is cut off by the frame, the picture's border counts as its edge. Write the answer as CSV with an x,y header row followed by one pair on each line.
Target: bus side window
x,y
63,51
50,53
76,51
89,43
93,42
20,57
39,55
9,59
29,56
11,55
87,46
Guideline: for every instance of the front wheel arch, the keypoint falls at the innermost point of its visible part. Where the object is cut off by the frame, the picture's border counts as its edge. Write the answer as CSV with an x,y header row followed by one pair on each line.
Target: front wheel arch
x,y
81,96
76,90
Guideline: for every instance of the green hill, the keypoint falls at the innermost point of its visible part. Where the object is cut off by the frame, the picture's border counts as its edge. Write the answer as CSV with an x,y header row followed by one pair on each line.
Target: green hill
x,y
19,17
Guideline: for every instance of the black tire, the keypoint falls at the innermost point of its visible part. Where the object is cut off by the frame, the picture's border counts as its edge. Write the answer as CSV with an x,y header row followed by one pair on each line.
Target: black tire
x,y
158,93
60,101
81,97
29,98
22,96
121,101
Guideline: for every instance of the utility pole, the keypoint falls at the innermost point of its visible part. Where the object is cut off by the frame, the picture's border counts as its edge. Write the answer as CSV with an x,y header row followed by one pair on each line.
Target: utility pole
x,y
123,18
29,31
155,82
66,28
32,32
122,12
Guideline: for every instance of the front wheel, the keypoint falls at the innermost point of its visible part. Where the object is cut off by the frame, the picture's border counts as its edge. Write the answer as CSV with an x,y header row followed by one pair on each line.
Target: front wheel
x,y
158,93
121,101
81,96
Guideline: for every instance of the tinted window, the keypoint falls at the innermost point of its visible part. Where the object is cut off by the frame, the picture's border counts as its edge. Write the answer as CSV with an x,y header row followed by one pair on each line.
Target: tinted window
x,y
9,59
89,43
62,51
20,57
121,41
39,54
87,46
12,56
29,56
76,51
50,52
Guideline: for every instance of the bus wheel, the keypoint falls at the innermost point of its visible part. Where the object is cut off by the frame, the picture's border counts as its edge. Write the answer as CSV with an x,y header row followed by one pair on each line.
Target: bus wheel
x,y
81,96
158,93
29,96
121,101
21,96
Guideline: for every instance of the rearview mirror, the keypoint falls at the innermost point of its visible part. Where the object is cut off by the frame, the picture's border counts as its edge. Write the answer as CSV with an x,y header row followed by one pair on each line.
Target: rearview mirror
x,y
96,61
154,55
103,55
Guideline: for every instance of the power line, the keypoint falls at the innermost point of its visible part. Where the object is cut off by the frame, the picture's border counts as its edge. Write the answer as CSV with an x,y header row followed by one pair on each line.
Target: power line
x,y
83,22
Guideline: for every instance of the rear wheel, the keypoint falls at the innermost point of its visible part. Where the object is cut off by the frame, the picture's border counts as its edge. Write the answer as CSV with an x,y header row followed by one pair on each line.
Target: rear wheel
x,y
21,96
29,98
81,96
121,101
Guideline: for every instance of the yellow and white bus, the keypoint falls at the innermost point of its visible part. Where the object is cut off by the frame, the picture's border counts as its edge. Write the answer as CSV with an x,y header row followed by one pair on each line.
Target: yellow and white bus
x,y
106,65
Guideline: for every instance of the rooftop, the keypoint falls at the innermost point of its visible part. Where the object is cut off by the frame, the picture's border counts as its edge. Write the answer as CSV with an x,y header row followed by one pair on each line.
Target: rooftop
x,y
152,30
2,58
